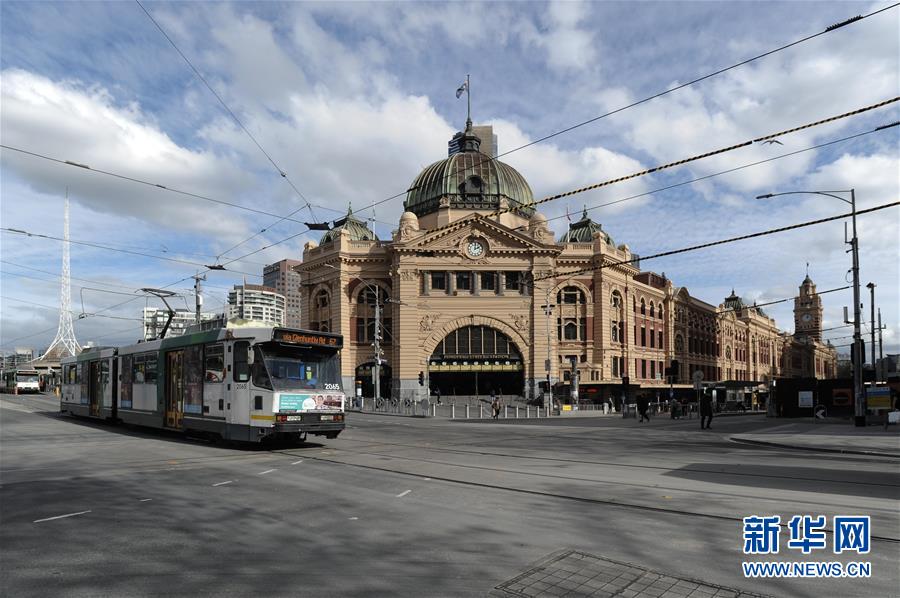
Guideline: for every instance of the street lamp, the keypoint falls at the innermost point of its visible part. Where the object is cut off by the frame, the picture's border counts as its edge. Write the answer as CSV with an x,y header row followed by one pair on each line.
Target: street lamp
x,y
858,392
548,309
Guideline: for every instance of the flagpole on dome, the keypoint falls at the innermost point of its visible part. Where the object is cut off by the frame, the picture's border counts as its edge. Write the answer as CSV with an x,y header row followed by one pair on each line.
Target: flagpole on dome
x,y
468,101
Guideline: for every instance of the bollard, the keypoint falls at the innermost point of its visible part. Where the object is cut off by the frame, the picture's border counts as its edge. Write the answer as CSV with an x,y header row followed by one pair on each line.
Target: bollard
x,y
526,411
517,412
506,412
467,411
480,411
433,410
453,411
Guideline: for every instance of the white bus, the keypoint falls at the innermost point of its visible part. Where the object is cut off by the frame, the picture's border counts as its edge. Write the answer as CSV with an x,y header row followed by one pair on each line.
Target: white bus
x,y
19,381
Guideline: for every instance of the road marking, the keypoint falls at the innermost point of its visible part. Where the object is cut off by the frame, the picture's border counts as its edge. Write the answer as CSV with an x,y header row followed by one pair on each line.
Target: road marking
x,y
427,479
222,483
297,462
266,471
146,499
354,518
404,493
60,516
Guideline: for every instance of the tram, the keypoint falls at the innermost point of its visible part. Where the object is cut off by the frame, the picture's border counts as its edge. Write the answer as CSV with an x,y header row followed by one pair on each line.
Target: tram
x,y
19,381
243,383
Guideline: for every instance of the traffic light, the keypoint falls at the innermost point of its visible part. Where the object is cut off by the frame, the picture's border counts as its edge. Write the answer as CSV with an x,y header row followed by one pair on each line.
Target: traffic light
x,y
421,378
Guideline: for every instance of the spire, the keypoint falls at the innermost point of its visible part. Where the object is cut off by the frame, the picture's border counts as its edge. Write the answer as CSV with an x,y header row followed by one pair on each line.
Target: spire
x,y
584,215
64,344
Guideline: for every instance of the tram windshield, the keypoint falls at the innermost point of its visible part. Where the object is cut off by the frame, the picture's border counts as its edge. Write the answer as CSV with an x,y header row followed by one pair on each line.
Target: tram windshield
x,y
26,377
282,367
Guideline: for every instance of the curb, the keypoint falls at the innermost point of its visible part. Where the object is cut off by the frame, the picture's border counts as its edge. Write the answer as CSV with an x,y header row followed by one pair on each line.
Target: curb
x,y
814,448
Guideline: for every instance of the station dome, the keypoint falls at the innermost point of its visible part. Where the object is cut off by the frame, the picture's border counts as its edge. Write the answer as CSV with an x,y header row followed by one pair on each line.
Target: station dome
x,y
469,180
583,231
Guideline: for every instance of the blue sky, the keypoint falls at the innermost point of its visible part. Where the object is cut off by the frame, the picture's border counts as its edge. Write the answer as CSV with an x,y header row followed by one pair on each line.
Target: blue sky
x,y
353,99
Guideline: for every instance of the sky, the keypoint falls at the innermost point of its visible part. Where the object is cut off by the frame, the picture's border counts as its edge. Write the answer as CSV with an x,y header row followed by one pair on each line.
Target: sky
x,y
352,99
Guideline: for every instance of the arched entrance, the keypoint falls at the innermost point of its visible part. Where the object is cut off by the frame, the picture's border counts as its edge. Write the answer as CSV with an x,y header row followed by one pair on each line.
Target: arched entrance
x,y
364,379
476,360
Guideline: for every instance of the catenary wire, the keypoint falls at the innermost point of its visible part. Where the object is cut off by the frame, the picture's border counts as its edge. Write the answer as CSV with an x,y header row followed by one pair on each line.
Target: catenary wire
x,y
41,305
477,217
829,29
230,112
721,242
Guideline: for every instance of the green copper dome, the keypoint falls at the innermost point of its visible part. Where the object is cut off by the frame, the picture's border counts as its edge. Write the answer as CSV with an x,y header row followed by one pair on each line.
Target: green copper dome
x,y
469,180
583,231
358,230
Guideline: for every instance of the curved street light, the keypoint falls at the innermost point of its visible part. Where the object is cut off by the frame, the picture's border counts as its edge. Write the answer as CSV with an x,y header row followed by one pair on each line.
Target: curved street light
x,y
858,391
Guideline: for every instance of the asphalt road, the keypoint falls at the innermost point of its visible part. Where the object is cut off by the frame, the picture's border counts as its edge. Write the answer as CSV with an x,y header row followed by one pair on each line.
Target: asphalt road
x,y
411,507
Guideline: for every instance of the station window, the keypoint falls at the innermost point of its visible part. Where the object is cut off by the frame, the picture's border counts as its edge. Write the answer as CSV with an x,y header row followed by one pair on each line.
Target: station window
x,y
439,281
488,281
513,281
570,295
463,281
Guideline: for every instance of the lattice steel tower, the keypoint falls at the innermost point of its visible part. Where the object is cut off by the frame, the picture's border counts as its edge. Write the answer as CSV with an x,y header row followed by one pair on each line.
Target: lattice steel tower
x,y
65,344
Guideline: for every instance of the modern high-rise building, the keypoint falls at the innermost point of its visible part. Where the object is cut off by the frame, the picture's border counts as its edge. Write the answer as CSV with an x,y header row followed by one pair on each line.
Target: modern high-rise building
x,y
256,302
485,133
155,319
282,277
18,357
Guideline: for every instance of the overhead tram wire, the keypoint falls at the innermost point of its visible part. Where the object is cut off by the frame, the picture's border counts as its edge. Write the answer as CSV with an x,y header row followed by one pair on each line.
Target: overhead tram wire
x,y
116,249
720,242
609,182
72,311
724,172
232,114
828,29
159,186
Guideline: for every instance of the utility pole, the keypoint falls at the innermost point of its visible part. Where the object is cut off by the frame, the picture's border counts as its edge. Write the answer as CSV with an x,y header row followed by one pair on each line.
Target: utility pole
x,y
376,370
871,287
880,349
198,298
548,309
859,391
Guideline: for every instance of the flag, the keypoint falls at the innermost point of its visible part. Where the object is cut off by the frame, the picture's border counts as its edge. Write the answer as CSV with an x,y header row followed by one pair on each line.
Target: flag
x,y
569,218
462,88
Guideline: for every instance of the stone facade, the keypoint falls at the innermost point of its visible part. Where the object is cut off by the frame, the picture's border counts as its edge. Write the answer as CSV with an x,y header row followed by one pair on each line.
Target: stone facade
x,y
454,275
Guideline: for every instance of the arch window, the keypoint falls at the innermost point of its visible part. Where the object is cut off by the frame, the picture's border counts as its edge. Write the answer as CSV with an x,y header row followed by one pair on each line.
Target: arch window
x,y
476,341
679,344
652,310
320,312
643,308
570,295
366,331
616,300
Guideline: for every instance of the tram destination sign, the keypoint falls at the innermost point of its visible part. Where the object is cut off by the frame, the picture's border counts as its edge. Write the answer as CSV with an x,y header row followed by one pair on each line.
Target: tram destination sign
x,y
308,338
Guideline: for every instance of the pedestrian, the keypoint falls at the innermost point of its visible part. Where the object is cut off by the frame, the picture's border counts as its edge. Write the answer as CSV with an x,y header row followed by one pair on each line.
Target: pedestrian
x,y
437,392
675,409
495,406
642,404
706,411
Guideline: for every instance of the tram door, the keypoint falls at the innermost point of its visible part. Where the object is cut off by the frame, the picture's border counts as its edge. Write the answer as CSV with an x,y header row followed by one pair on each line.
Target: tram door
x,y
174,388
96,388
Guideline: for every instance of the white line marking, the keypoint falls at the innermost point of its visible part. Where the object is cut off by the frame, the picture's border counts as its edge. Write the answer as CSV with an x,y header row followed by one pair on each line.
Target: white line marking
x,y
427,479
354,518
222,483
297,462
265,472
146,499
404,493
60,516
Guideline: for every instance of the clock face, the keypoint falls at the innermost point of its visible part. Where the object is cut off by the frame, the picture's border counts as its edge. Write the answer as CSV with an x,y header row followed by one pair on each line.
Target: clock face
x,y
807,318
475,248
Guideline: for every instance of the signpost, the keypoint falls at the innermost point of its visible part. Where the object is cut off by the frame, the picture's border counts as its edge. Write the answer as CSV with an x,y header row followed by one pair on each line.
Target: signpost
x,y
805,399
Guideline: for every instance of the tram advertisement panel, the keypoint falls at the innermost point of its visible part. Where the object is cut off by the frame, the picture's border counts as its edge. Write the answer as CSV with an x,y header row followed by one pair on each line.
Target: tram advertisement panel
x,y
310,402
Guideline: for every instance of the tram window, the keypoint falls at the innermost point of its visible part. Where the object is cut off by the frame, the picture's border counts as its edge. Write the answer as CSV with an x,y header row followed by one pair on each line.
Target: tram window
x,y
150,368
241,370
193,379
138,369
214,363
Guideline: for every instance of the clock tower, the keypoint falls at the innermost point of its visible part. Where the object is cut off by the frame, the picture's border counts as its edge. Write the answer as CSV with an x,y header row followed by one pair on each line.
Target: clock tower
x,y
808,312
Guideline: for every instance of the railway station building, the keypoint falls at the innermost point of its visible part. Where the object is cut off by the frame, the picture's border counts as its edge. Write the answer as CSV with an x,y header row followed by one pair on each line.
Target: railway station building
x,y
463,296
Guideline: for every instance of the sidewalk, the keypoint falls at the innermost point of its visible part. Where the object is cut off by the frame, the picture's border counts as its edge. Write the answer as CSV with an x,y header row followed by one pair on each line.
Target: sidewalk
x,y
828,437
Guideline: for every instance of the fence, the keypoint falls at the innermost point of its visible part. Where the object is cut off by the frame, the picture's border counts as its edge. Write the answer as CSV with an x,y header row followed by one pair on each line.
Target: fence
x,y
453,410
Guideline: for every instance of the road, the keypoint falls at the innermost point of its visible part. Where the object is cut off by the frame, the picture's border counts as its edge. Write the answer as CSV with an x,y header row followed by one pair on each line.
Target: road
x,y
412,507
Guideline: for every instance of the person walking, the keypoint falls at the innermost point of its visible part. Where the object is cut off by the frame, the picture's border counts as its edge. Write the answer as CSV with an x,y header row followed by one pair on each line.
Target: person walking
x,y
706,411
675,409
642,404
495,406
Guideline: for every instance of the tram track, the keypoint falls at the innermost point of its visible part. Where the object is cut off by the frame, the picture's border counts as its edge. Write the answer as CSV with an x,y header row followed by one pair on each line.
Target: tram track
x,y
543,493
